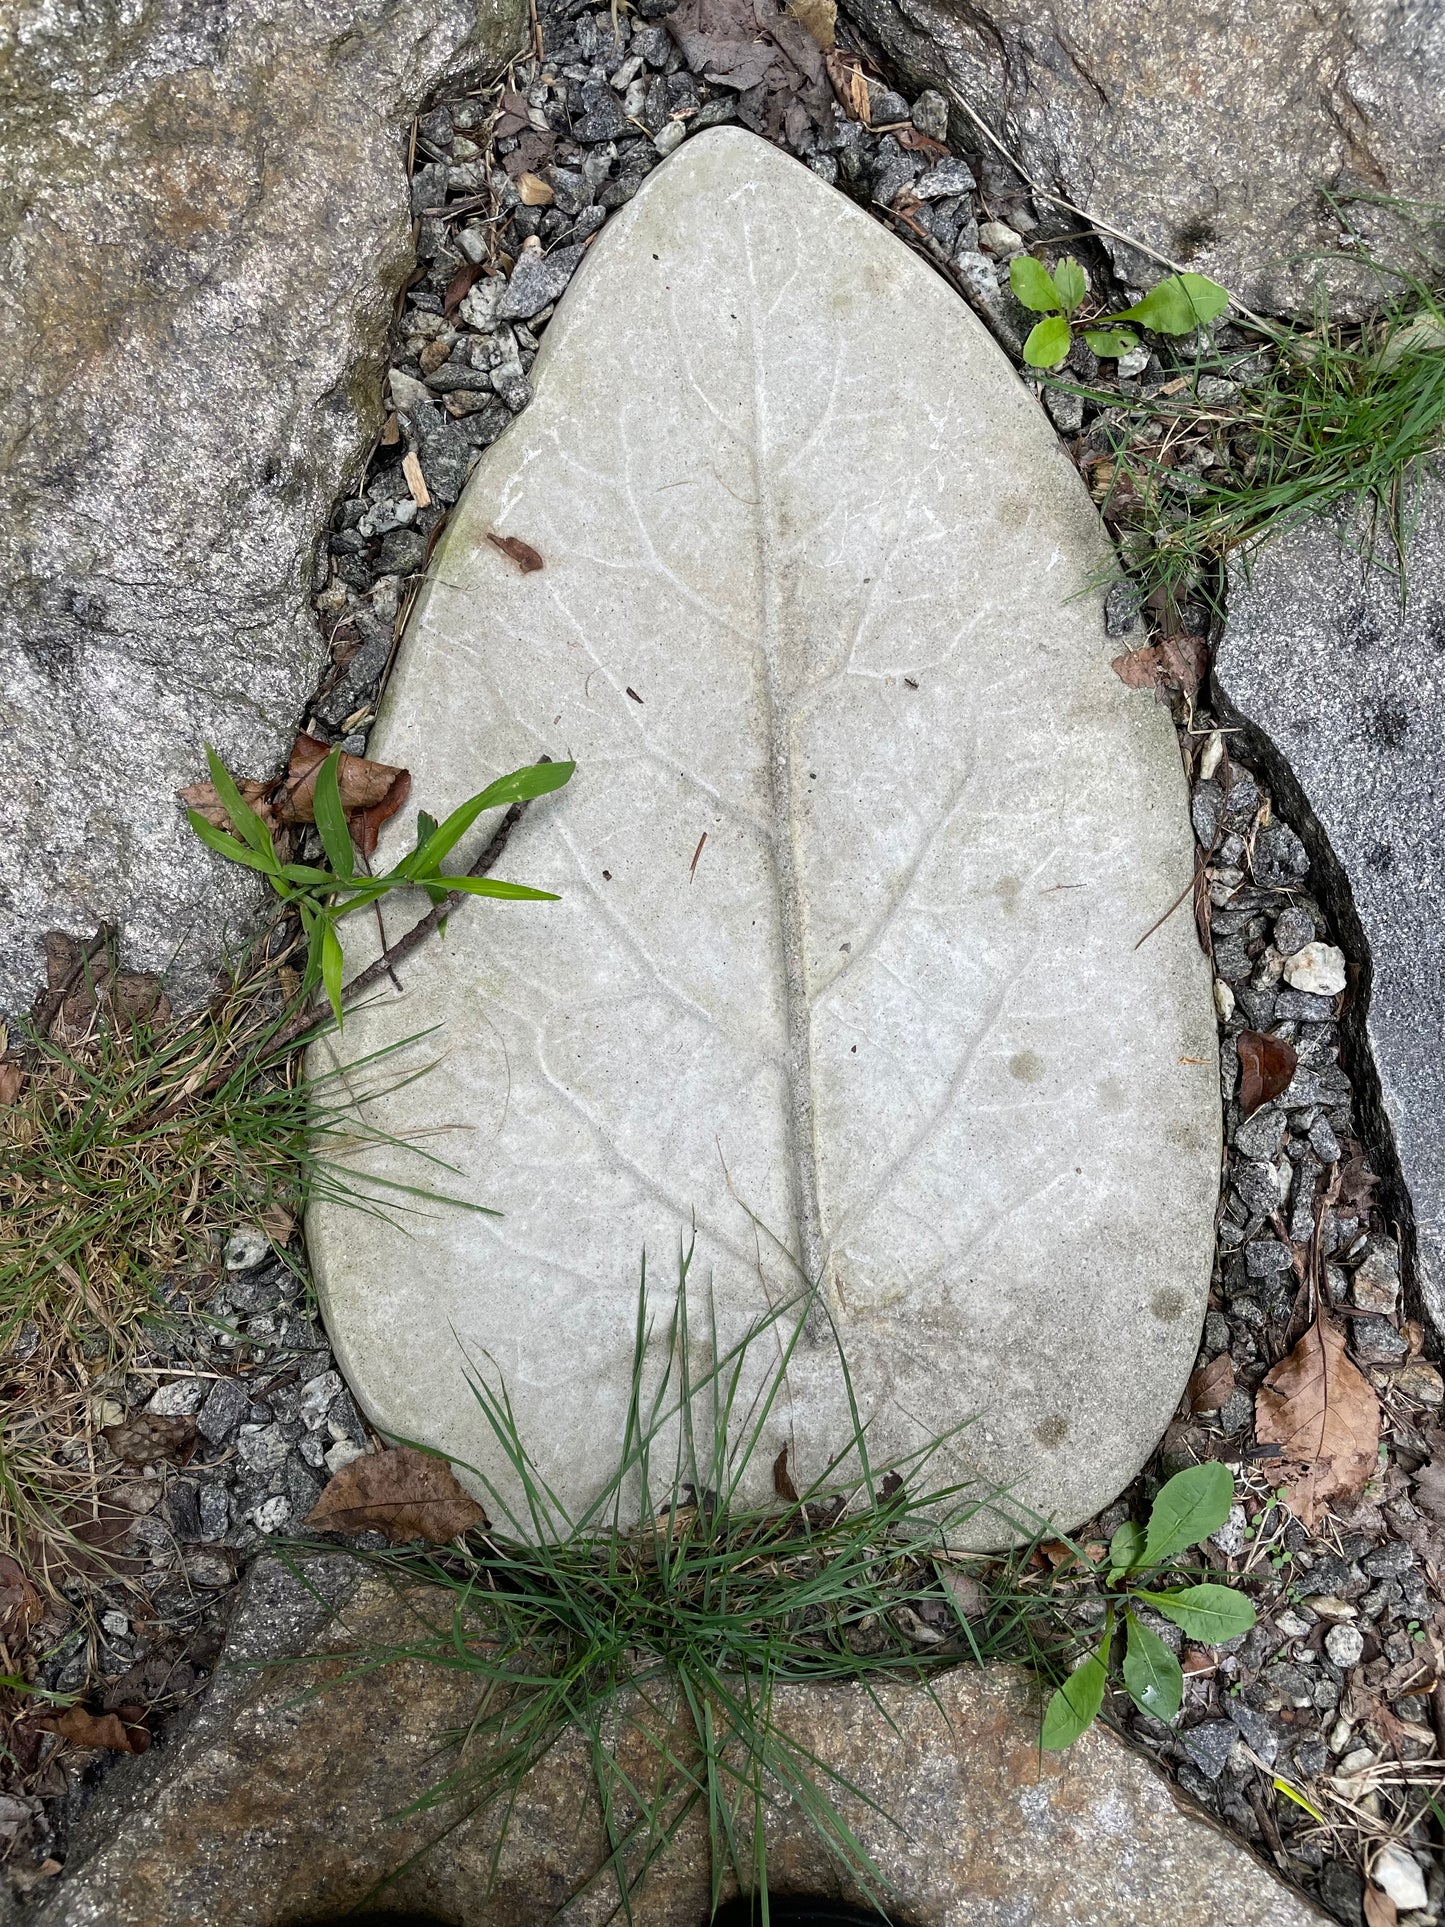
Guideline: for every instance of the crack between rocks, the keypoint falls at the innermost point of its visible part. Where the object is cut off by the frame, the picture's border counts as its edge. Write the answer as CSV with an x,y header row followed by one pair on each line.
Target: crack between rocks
x,y
1331,884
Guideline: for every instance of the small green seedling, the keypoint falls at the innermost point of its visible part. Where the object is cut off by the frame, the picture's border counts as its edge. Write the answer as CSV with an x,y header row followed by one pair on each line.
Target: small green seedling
x,y
316,895
1189,1507
1175,306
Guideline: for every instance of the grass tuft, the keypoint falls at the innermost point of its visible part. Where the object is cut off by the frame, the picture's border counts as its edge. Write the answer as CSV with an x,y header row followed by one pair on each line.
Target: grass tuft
x,y
130,1152
1341,418
664,1643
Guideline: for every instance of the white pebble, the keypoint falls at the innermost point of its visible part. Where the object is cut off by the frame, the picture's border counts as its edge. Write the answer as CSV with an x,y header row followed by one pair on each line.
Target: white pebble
x,y
670,137
406,391
342,1454
246,1248
1211,756
997,237
478,310
1345,1644
272,1515
1230,1536
1223,1000
1399,1874
1318,969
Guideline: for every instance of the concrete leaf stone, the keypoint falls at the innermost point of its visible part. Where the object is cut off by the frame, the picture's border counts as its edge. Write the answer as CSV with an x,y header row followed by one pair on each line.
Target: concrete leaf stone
x,y
853,872
203,224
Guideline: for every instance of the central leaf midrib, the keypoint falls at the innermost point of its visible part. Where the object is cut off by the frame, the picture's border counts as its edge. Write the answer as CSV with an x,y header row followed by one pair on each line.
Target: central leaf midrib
x,y
798,1054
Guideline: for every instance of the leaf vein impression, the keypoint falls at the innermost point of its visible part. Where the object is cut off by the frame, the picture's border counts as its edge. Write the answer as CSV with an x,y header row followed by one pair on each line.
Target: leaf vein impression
x,y
812,1249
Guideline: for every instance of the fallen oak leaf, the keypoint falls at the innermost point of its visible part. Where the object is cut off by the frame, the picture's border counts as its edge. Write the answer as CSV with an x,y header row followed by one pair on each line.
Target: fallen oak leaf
x,y
403,1492
516,550
1323,1412
1266,1065
782,1479
111,1731
12,1082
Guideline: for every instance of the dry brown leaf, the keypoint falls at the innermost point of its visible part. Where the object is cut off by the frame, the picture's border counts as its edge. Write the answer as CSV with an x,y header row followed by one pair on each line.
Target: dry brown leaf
x,y
202,798
404,1493
1186,661
1266,1065
1380,1910
150,1437
12,1082
461,284
522,553
1211,1384
114,1731
1178,662
1139,668
370,792
965,1592
819,17
782,1479
20,1603
1322,1411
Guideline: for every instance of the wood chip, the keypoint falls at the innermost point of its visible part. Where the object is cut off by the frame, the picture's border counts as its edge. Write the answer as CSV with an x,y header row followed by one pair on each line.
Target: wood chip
x,y
415,480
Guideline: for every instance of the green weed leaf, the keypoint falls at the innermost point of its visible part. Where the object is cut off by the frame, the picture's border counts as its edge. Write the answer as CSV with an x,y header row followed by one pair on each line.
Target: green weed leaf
x,y
1191,1505
1109,342
1075,1706
227,846
331,818
491,887
1177,304
1152,1674
521,786
332,964
1033,285
244,819
1048,342
1071,282
1210,1614
1126,1547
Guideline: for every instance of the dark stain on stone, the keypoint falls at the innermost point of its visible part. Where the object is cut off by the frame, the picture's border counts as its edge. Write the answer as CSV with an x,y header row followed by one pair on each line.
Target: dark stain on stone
x,y
1200,232
1380,857
1052,1430
1027,1066
1389,725
1169,1306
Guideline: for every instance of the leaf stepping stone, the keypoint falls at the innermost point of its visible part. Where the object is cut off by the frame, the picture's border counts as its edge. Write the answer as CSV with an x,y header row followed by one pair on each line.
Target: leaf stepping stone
x,y
858,963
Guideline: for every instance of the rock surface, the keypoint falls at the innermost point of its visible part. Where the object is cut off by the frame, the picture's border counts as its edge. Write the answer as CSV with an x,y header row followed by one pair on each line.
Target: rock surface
x,y
993,1832
1342,692
1207,133
203,224
815,588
